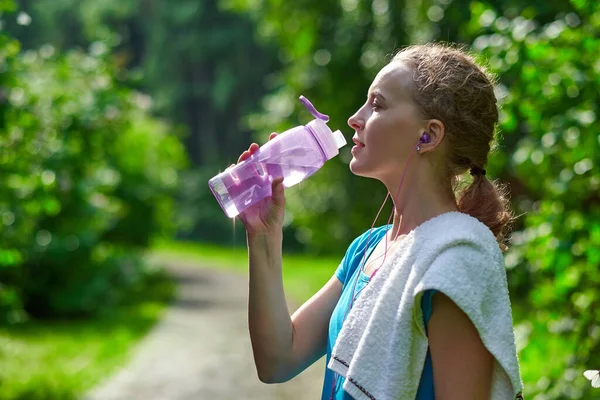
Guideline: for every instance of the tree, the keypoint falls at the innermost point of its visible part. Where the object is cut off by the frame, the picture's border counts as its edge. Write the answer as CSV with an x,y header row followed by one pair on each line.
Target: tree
x,y
550,79
202,67
80,157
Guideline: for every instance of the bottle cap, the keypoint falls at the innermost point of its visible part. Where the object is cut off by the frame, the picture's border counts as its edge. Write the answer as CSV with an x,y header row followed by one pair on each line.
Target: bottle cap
x,y
329,141
340,140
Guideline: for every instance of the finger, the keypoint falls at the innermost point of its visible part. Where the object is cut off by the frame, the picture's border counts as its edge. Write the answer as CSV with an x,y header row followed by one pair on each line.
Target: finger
x,y
278,191
244,156
277,185
253,148
273,135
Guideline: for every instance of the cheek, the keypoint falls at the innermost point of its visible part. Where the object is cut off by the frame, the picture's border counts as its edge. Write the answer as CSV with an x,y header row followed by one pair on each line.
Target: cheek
x,y
390,141
396,125
383,131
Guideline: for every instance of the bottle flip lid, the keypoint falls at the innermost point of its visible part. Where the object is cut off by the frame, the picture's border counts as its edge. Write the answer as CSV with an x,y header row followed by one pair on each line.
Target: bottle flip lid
x,y
338,136
330,141
311,109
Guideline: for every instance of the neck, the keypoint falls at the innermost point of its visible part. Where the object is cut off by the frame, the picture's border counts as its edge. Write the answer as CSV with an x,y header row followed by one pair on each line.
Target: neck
x,y
417,203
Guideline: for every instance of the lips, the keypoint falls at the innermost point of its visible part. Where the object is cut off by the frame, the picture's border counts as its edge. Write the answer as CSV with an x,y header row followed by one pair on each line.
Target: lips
x,y
358,142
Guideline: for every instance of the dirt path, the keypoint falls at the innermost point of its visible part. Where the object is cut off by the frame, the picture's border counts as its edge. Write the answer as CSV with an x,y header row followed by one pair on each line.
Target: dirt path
x,y
201,349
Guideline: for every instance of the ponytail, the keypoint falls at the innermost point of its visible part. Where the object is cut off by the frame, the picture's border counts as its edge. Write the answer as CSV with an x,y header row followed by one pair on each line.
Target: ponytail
x,y
488,202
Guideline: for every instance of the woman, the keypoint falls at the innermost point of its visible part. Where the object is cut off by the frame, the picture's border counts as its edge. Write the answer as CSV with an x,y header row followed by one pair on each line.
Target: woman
x,y
435,320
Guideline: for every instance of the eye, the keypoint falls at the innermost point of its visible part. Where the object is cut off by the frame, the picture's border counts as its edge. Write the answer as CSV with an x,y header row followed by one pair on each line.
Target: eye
x,y
375,105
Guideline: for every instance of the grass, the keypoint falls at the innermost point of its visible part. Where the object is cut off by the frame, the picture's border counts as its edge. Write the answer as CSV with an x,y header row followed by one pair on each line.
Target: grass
x,y
303,276
62,359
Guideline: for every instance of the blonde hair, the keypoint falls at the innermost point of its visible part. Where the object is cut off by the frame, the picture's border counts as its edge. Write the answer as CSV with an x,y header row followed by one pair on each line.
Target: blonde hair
x,y
450,86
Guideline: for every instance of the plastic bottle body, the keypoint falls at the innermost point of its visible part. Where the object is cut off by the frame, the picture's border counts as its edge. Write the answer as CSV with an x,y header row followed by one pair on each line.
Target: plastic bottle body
x,y
294,154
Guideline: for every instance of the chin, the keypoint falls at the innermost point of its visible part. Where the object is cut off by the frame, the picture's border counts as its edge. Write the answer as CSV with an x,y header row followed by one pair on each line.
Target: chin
x,y
367,170
359,170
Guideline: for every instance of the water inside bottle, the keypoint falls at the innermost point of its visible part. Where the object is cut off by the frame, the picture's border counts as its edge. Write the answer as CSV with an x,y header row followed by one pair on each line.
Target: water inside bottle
x,y
250,181
221,189
293,174
236,194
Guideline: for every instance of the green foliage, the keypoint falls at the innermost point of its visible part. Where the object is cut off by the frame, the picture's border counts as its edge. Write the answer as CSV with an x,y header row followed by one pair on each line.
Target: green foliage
x,y
205,70
87,176
550,75
206,85
201,65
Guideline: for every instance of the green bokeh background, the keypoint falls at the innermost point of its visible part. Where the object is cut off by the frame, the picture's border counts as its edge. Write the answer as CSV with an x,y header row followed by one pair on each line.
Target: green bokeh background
x,y
114,114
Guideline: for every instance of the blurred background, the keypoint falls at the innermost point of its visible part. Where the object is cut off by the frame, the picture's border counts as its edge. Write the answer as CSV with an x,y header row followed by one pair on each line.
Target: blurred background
x,y
115,113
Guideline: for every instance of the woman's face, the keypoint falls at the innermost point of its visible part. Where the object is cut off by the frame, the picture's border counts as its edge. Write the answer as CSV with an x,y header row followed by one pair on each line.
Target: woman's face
x,y
388,126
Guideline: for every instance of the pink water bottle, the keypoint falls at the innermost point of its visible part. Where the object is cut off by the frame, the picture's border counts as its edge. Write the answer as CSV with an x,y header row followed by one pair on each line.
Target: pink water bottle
x,y
294,154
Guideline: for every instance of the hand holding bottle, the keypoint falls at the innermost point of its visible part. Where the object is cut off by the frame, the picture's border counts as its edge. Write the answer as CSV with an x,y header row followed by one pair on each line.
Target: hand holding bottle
x,y
266,215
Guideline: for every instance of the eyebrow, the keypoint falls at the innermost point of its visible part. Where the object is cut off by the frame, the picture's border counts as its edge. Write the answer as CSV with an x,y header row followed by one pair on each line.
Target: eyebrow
x,y
377,93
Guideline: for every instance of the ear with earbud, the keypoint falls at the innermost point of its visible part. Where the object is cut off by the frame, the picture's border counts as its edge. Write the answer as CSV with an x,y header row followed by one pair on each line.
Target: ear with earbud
x,y
425,138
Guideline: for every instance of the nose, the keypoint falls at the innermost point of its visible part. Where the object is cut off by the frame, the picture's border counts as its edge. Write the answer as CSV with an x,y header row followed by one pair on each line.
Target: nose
x,y
356,122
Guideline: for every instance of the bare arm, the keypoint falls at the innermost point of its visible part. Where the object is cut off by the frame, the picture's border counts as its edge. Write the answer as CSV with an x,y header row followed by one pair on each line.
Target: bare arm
x,y
283,346
462,366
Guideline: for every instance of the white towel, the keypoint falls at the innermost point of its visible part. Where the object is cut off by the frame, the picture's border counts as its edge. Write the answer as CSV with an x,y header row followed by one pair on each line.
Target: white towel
x,y
382,346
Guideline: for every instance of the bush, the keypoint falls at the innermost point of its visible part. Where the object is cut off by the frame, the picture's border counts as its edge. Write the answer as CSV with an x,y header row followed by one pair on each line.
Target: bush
x,y
87,178
551,105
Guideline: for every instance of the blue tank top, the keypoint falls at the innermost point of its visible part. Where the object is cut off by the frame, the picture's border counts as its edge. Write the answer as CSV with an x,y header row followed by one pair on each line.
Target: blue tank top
x,y
348,272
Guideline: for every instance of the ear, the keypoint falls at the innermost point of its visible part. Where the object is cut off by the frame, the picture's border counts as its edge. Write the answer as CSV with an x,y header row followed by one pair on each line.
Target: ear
x,y
436,130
